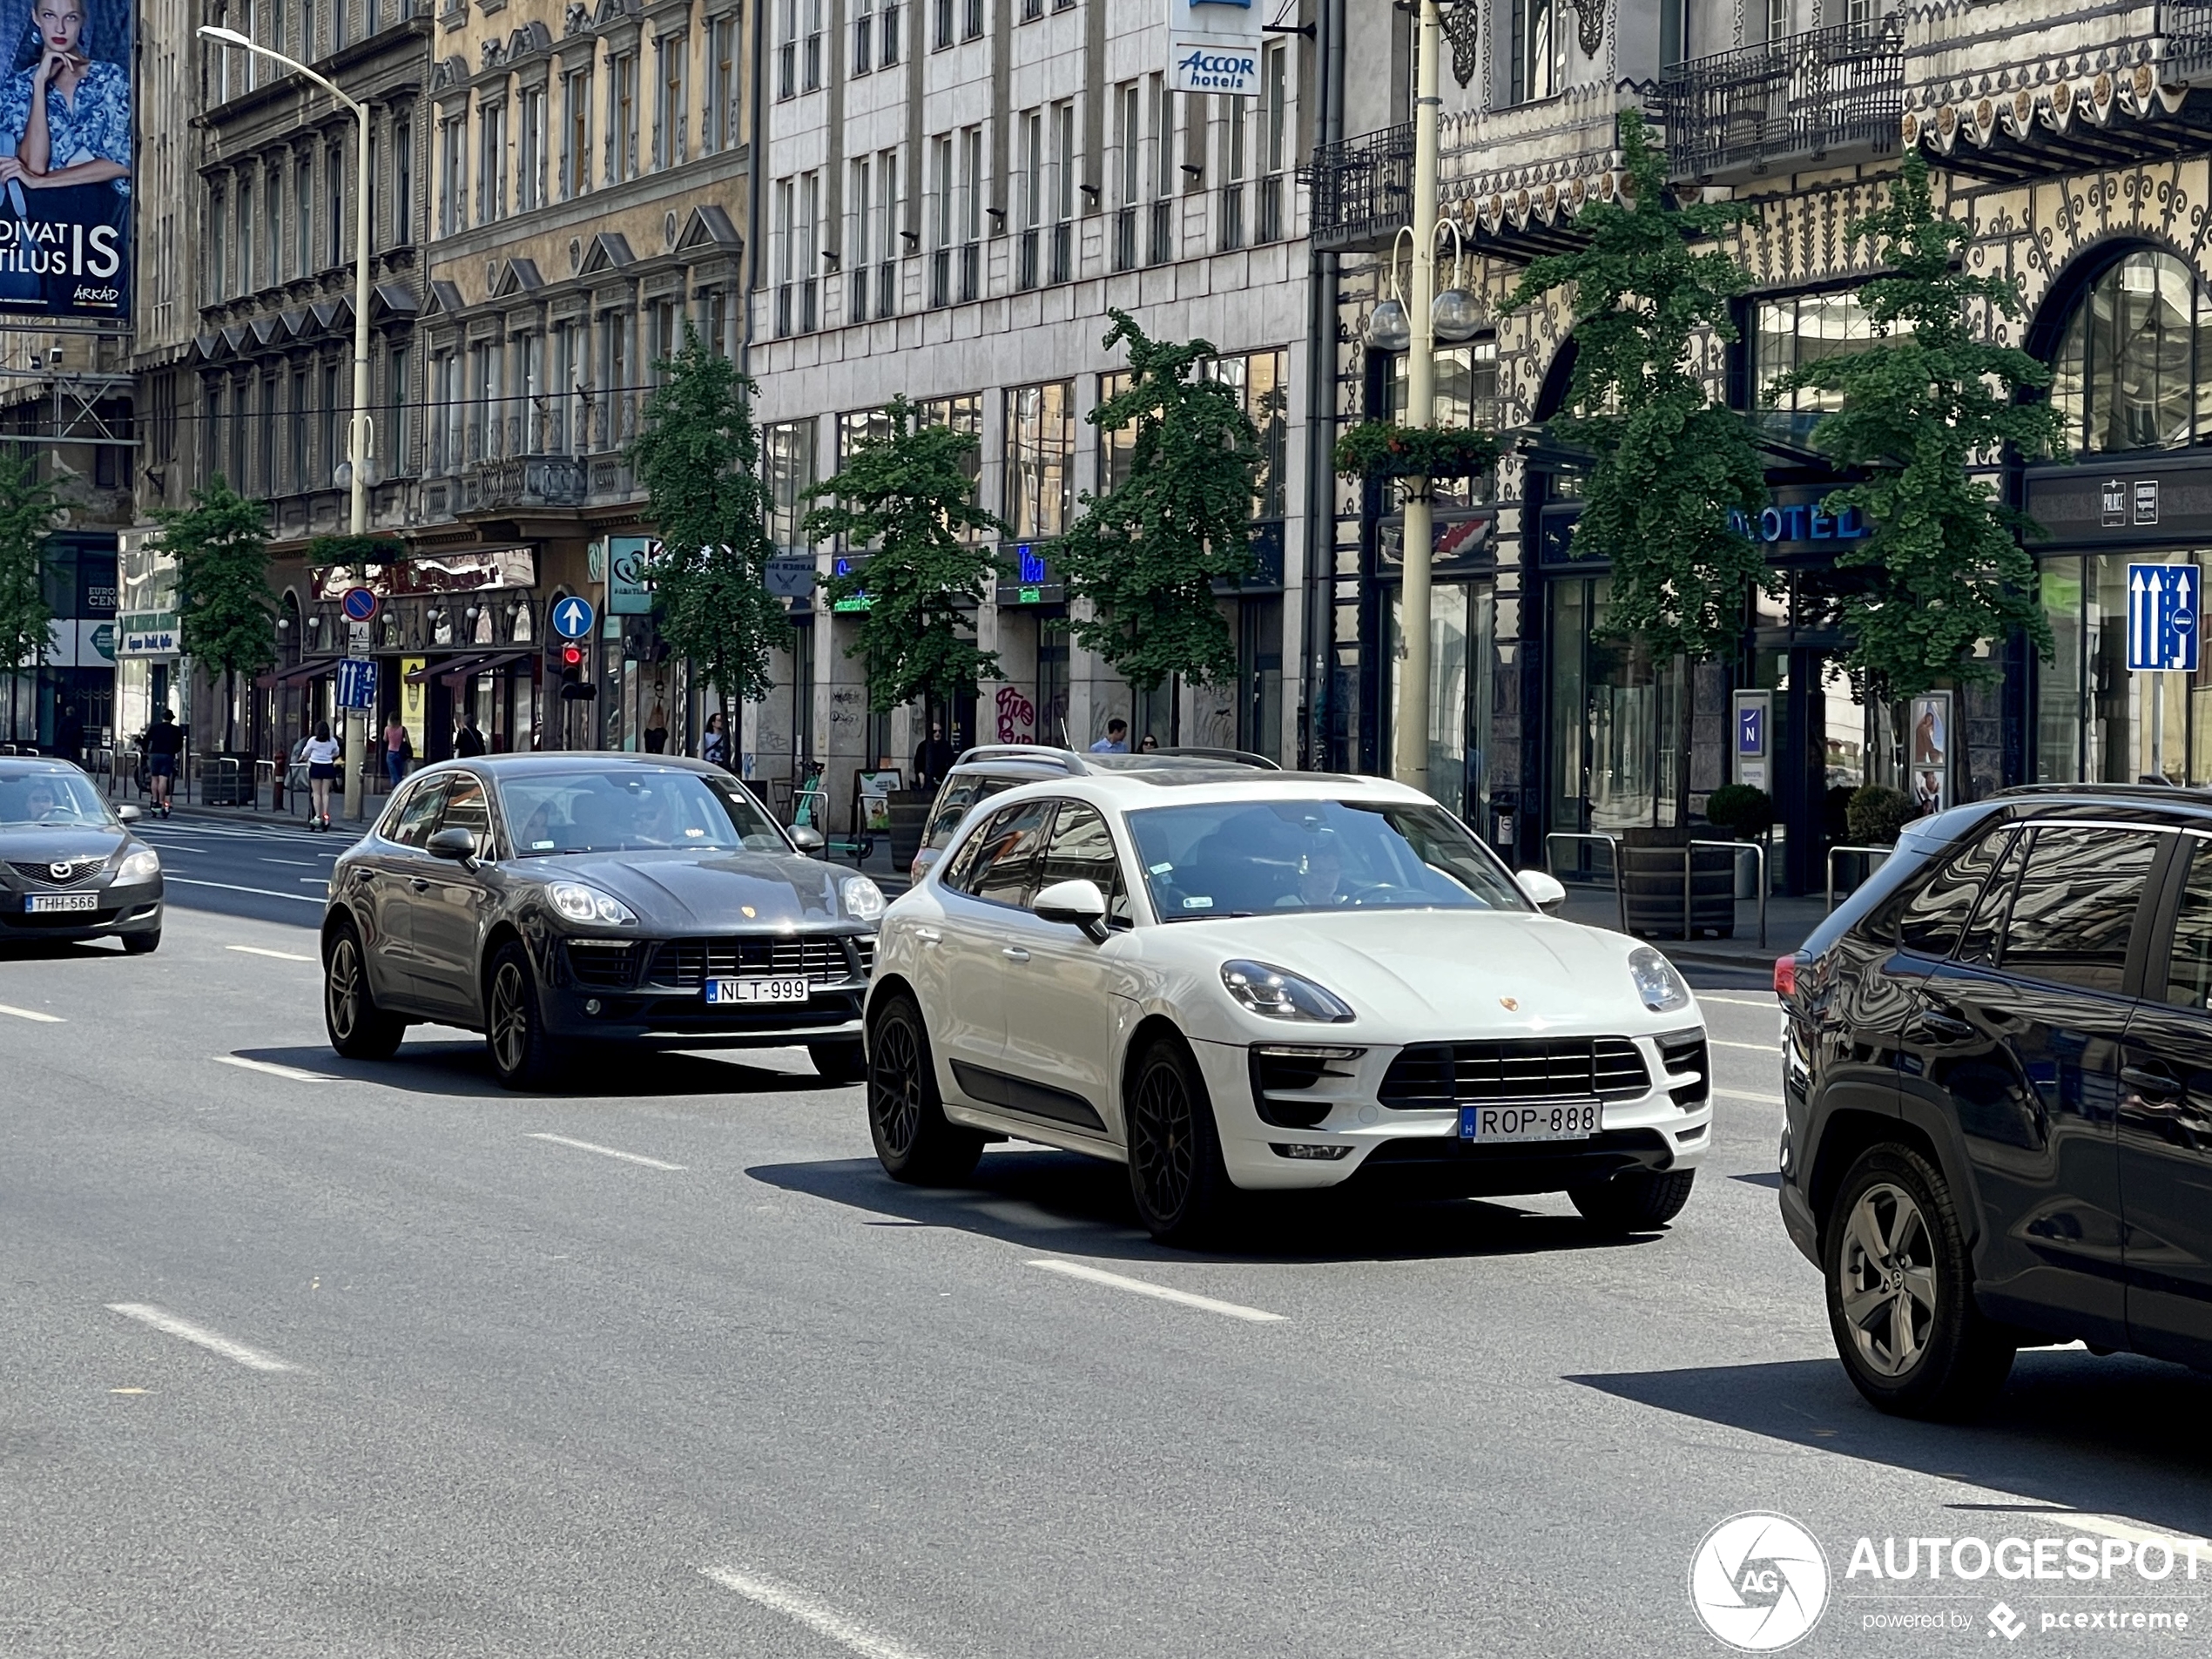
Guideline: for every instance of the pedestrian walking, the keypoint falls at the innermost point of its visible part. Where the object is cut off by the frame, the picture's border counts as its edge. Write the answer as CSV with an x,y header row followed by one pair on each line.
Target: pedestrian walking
x,y
1115,742
322,753
165,741
399,748
468,738
714,747
932,758
657,730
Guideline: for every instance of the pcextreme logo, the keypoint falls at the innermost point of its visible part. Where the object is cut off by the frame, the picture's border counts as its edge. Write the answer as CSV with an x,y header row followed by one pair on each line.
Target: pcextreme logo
x,y
1759,1583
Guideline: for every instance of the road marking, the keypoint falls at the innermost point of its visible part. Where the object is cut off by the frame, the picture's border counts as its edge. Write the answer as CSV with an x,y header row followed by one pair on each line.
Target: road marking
x,y
1767,1002
2110,1527
297,863
322,881
274,1069
1146,1287
817,1616
1741,1094
1759,1048
252,1359
32,1015
261,950
603,1151
232,887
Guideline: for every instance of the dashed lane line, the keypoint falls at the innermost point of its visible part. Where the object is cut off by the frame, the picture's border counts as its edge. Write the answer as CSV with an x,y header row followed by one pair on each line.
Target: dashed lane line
x,y
818,1615
263,950
1744,1093
1161,1293
160,1319
271,1068
1757,1047
32,1015
603,1151
232,887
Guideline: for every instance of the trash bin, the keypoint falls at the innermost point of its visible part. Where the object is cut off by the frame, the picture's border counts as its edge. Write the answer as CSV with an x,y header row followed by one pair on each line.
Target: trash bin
x,y
226,780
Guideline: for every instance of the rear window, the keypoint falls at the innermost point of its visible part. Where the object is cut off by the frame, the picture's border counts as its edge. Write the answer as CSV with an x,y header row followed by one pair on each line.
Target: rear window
x,y
1875,906
1935,916
961,791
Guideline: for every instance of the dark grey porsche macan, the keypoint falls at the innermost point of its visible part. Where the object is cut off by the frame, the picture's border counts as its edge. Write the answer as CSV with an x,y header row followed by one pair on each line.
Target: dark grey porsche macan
x,y
553,900
69,867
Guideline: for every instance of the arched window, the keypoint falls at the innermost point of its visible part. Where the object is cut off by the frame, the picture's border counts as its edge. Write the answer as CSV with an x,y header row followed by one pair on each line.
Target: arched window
x,y
2128,368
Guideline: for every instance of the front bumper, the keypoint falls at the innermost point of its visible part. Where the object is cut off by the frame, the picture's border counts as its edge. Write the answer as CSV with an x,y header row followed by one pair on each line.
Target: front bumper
x,y
642,994
132,909
1420,1150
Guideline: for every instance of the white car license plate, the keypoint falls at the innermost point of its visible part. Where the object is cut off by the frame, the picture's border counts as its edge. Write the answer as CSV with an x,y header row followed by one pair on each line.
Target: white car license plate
x,y
790,989
1567,1121
38,903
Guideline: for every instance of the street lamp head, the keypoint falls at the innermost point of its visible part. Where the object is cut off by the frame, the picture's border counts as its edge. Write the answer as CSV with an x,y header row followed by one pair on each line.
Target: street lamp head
x,y
1454,317
1389,329
228,37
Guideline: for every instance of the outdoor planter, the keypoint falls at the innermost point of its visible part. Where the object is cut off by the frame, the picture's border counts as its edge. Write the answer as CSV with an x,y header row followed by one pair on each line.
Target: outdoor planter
x,y
1651,887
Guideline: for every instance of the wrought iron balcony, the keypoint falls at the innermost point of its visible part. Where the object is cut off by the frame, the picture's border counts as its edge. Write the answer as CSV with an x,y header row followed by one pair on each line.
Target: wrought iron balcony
x,y
521,480
1363,190
1803,98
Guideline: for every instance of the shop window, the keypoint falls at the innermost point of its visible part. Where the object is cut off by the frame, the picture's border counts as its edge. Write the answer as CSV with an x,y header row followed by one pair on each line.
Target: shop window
x,y
787,463
1040,459
2126,374
1797,331
2096,720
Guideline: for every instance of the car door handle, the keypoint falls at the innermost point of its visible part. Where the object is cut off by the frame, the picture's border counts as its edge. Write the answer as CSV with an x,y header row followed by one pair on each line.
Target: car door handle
x,y
2155,1081
1015,954
418,884
927,936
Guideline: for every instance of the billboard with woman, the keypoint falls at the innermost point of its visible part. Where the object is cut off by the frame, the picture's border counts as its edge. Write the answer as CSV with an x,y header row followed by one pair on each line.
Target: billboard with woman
x,y
66,159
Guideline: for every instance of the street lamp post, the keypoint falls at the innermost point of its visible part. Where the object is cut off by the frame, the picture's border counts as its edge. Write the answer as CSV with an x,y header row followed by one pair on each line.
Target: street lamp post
x,y
1410,760
357,440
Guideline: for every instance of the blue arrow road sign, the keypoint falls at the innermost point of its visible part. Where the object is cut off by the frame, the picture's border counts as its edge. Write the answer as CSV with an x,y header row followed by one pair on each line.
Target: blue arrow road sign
x,y
2161,617
357,682
572,618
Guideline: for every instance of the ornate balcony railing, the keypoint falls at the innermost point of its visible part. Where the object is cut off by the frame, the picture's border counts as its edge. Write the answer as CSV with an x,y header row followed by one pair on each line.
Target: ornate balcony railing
x,y
2187,25
523,481
1362,189
1806,96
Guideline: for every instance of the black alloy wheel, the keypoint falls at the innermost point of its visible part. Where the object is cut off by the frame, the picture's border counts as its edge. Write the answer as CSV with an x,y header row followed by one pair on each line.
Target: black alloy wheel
x,y
522,1055
914,1141
1176,1174
1901,1292
357,1029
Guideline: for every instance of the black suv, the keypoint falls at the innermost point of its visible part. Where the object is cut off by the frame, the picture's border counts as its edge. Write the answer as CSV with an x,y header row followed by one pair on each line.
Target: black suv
x,y
1997,1073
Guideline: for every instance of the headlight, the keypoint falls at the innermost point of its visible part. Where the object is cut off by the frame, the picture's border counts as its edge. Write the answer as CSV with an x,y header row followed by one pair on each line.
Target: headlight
x,y
580,903
863,898
1661,988
1281,995
142,865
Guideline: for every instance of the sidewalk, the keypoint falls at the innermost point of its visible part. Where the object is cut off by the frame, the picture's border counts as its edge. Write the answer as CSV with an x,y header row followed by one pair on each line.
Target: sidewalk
x,y
1788,921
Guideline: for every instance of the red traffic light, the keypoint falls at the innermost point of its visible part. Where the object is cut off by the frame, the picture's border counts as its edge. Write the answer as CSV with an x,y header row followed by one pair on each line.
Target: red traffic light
x,y
572,656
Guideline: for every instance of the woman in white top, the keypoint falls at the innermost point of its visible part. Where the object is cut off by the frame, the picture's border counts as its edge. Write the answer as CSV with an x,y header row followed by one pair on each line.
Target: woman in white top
x,y
320,751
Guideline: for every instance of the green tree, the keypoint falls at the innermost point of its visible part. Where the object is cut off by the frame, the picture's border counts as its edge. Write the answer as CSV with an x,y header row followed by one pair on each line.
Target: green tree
x,y
908,492
225,614
27,514
697,456
1146,555
1943,569
1673,474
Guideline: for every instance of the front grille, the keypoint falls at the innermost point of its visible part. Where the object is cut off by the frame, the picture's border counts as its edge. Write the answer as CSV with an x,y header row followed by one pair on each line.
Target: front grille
x,y
83,871
608,967
689,963
1447,1074
1684,1051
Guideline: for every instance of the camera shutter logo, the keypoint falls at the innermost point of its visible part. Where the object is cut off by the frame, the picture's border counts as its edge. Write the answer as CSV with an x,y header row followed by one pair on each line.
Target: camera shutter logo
x,y
1759,1583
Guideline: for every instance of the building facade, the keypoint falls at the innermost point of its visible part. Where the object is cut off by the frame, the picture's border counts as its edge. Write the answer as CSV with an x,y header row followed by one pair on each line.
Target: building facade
x,y
952,198
2073,148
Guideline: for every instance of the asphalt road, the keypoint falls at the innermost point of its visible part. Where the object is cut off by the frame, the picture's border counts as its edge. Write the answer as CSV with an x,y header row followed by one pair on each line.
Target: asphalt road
x,y
309,1358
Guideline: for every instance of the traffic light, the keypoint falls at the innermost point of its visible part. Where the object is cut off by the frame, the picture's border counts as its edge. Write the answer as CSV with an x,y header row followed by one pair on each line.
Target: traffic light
x,y
572,685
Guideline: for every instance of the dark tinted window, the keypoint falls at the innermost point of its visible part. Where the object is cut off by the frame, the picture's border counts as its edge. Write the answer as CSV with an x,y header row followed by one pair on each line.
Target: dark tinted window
x,y
1934,917
1983,933
2075,907
411,822
2189,970
961,791
1000,861
1082,850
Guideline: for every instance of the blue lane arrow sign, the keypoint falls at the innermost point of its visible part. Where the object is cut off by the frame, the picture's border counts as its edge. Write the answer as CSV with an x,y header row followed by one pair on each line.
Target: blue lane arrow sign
x,y
572,618
2161,618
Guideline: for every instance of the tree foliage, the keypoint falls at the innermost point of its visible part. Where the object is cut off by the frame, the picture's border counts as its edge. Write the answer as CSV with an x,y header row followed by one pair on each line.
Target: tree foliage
x,y
1945,570
1673,473
908,493
1145,556
698,454
27,517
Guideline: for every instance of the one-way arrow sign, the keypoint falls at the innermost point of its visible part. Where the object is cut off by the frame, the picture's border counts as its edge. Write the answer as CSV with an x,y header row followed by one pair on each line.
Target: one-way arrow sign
x,y
572,618
2161,617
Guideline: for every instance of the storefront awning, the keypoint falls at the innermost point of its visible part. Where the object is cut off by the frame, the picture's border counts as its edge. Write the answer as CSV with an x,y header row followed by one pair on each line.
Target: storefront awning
x,y
456,669
299,674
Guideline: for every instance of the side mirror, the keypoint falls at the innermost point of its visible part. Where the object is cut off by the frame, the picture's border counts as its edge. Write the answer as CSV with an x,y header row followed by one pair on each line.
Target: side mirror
x,y
807,839
1079,904
128,814
456,843
1544,890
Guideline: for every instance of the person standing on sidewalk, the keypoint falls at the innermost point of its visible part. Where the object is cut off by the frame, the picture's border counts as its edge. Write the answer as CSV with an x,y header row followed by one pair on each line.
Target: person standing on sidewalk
x,y
399,748
323,752
164,742
469,739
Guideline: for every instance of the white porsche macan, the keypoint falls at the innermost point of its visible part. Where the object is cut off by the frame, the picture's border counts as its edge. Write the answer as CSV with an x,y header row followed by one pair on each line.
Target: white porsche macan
x,y
1292,981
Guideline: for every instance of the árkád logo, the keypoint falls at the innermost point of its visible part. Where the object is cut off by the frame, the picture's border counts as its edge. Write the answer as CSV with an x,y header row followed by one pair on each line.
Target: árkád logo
x,y
1759,1583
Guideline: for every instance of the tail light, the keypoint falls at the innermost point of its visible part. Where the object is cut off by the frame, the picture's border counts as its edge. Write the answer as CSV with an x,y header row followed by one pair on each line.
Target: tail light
x,y
1786,976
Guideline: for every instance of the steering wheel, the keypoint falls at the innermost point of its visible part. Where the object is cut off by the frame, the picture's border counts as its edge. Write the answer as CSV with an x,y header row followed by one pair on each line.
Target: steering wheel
x,y
1360,894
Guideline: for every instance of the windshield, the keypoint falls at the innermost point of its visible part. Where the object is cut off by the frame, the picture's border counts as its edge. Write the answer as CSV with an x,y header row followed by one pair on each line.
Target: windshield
x,y
51,798
632,809
1288,857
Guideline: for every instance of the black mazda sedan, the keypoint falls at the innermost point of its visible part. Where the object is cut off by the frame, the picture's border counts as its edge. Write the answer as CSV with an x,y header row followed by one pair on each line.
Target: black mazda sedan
x,y
69,867
553,900
1997,1082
